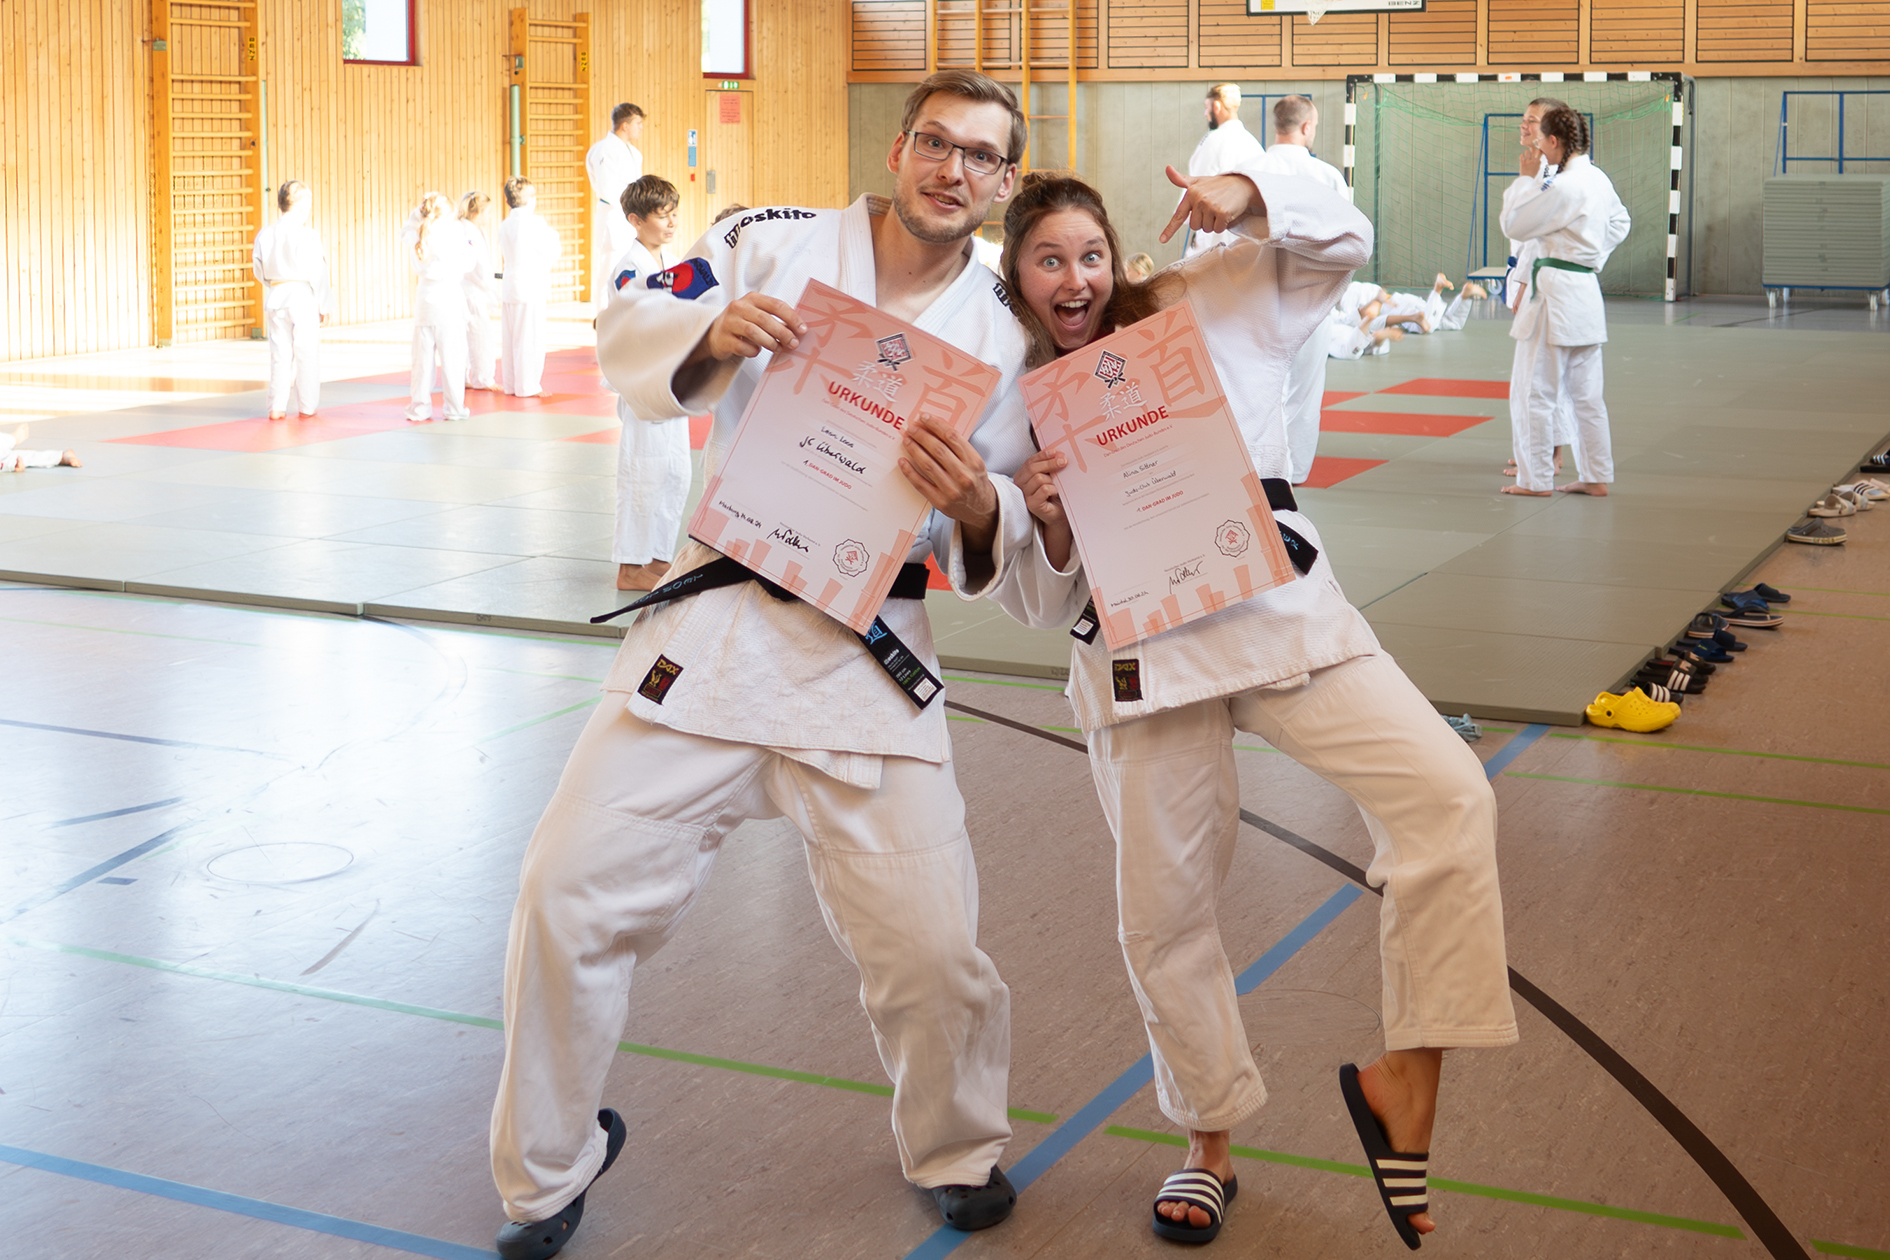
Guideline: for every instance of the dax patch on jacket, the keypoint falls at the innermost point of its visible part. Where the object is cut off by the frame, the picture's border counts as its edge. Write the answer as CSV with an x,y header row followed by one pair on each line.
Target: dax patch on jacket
x,y
690,278
657,682
625,276
1127,676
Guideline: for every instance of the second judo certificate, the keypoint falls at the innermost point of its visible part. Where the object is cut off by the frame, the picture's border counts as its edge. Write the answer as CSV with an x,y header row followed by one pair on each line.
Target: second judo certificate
x,y
1170,518
810,494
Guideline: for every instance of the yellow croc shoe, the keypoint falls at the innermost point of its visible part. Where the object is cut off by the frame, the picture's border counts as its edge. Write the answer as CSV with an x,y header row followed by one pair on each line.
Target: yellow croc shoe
x,y
1632,712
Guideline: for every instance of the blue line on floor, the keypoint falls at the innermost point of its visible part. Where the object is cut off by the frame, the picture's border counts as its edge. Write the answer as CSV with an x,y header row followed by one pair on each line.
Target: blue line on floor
x,y
1063,1139
137,739
260,1209
85,877
116,813
1514,748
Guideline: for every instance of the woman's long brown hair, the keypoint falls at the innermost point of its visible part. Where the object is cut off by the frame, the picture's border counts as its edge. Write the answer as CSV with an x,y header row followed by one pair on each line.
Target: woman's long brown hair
x,y
1044,193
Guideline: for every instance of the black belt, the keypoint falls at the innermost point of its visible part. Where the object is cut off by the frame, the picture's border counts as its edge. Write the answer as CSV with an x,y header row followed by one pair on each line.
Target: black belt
x,y
1302,553
899,661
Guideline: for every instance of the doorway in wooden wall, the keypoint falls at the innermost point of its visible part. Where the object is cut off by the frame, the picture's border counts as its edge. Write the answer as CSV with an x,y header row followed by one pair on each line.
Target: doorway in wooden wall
x,y
727,161
207,193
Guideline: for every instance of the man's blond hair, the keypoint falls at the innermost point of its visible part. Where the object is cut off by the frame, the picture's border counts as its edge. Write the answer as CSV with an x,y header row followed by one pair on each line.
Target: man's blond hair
x,y
1227,94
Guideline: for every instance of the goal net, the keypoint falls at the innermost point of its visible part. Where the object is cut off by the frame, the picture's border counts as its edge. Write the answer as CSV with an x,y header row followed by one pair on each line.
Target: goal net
x,y
1432,161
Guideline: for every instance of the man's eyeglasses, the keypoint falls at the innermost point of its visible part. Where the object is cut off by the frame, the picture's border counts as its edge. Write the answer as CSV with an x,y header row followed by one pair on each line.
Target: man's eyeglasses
x,y
936,149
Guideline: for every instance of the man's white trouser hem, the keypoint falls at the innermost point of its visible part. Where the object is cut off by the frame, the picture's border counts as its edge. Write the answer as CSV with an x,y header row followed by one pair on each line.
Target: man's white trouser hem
x,y
1453,1039
1219,1122
583,1173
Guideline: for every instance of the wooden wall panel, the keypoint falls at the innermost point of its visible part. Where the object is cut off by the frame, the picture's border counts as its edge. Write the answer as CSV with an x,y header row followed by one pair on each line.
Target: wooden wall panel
x,y
800,92
1230,38
74,177
1837,30
1745,30
1526,32
889,35
1637,31
1340,39
1146,34
1444,34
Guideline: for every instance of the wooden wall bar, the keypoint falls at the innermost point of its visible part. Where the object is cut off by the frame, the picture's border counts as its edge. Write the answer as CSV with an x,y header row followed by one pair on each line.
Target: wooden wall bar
x,y
1194,39
76,204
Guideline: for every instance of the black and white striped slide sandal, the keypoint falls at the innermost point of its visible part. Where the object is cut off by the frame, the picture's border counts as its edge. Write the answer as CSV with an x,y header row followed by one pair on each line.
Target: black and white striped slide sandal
x,y
1199,1188
1400,1176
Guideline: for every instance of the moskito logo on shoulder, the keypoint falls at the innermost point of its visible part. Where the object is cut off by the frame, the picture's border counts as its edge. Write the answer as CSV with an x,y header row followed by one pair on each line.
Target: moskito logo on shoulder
x,y
893,350
1110,369
690,278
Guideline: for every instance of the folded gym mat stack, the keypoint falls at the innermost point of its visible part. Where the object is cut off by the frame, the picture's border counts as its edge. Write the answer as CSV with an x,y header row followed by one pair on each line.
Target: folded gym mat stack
x,y
1827,231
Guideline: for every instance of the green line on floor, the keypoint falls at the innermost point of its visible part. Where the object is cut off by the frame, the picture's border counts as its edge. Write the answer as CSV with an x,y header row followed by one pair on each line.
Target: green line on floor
x,y
1838,590
582,704
535,673
143,634
477,1021
1460,1187
966,717
995,682
1730,752
1845,1249
1730,796
1806,612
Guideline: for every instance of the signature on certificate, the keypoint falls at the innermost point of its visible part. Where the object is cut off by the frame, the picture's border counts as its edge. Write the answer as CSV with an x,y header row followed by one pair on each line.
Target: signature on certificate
x,y
787,538
1186,571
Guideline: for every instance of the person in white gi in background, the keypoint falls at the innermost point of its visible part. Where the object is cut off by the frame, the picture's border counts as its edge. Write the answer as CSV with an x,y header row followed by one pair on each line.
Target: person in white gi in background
x,y
442,259
1348,329
1522,255
1227,146
13,459
731,704
612,165
1564,204
482,290
652,455
1296,665
528,248
288,258
1295,123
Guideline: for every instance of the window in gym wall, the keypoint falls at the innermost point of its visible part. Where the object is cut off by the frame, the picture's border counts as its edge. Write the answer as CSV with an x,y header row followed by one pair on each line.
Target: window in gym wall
x,y
725,39
378,31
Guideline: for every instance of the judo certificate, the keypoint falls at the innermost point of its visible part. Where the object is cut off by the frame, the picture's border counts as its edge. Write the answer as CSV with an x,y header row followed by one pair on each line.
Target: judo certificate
x,y
810,494
1171,521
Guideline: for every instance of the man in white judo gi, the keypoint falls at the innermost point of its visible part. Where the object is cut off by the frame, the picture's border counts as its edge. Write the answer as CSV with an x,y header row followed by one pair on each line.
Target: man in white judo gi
x,y
730,703
612,165
528,250
289,260
1227,146
1295,123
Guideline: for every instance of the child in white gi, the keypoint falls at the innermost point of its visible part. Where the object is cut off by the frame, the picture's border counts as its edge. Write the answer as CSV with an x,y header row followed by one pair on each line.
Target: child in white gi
x,y
13,459
441,259
652,456
529,248
289,261
482,287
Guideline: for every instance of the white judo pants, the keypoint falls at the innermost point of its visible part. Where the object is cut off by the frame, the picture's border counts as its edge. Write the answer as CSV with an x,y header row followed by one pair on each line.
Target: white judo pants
x,y
293,321
482,345
1169,789
653,471
12,460
1555,397
522,359
439,332
1304,392
621,854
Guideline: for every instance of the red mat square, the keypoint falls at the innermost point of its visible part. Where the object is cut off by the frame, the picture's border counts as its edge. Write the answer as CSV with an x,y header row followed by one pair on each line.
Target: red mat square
x,y
1398,422
1329,470
1445,388
698,434
276,435
1333,397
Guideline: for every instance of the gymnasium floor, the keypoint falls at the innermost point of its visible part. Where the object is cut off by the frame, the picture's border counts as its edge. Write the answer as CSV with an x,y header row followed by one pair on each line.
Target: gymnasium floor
x,y
259,861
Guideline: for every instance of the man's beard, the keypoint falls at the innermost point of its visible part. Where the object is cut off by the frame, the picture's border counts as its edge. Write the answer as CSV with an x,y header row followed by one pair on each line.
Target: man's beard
x,y
915,223
1214,124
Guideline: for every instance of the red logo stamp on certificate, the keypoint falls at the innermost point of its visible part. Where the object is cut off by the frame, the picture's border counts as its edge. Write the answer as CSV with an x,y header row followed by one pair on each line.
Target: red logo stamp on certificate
x,y
1171,520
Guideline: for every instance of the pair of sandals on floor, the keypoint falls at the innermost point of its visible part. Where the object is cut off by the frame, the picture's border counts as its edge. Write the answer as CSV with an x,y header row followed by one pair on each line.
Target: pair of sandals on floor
x,y
1399,1175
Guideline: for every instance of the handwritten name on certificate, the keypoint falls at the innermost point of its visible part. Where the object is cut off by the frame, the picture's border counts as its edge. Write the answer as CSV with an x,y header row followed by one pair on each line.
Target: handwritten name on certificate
x,y
1170,518
810,494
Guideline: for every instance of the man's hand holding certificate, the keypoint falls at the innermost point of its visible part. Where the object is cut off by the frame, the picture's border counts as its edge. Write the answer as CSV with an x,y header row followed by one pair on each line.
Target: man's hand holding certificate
x,y
810,494
1170,519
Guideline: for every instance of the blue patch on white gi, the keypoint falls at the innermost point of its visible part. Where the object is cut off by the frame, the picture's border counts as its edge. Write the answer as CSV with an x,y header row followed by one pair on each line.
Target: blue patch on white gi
x,y
690,278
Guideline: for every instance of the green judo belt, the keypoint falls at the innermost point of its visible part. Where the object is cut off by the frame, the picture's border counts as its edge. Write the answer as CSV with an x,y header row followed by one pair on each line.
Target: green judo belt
x,y
1556,264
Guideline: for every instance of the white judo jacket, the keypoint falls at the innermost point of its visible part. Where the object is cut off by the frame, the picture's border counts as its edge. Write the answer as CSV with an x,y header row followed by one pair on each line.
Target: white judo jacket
x,y
753,668
1572,214
529,247
1225,149
1257,301
288,256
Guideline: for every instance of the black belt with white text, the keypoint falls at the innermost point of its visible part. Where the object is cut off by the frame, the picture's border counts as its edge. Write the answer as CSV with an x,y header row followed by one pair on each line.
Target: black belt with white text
x,y
899,661
1298,550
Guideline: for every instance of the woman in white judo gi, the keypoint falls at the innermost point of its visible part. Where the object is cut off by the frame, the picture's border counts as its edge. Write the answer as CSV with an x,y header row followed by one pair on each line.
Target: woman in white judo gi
x,y
530,248
652,456
441,260
1296,665
289,260
1564,205
482,289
